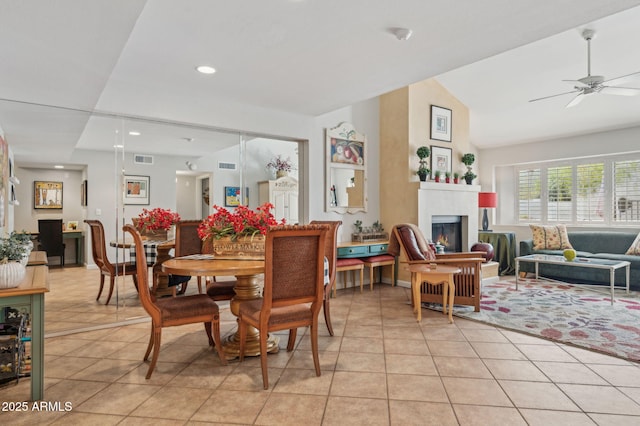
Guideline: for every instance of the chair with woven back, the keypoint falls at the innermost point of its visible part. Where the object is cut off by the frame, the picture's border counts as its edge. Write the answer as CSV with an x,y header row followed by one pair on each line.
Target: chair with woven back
x,y
293,289
408,238
173,311
331,253
101,259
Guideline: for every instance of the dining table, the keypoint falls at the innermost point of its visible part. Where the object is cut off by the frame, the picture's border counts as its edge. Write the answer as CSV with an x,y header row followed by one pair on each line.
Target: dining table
x,y
248,277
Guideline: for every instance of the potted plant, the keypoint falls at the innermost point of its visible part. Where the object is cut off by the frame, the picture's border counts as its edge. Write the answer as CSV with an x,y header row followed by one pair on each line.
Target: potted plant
x,y
437,176
456,177
447,177
281,166
468,159
423,153
12,253
157,223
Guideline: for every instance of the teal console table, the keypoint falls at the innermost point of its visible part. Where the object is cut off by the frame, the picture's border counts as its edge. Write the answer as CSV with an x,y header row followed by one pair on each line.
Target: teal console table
x,y
28,298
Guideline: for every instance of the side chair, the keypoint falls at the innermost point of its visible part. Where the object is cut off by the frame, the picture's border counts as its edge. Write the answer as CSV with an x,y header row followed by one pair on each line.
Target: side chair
x,y
409,239
112,270
293,289
331,253
173,311
51,239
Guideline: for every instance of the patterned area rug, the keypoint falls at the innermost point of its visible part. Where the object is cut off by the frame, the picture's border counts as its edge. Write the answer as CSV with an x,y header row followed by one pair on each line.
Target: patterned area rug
x,y
574,314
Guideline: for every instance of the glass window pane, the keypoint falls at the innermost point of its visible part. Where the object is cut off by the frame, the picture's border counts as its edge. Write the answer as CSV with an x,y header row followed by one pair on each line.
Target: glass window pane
x,y
529,195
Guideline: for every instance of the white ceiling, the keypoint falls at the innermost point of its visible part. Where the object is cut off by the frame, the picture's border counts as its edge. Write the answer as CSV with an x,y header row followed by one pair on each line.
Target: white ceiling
x,y
304,57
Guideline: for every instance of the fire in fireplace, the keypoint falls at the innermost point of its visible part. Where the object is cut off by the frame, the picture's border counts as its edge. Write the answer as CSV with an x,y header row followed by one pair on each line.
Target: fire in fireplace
x,y
447,230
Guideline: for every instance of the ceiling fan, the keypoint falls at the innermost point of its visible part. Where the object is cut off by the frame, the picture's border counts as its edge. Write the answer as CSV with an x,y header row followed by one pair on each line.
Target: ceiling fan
x,y
592,84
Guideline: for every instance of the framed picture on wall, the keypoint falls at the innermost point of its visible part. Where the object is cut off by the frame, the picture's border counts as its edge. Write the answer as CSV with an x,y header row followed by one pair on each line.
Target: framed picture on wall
x,y
47,195
136,190
440,161
440,124
232,196
83,193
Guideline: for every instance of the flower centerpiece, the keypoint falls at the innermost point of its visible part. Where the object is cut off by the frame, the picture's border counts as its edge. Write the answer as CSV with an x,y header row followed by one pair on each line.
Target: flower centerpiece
x,y
238,234
12,261
157,223
281,166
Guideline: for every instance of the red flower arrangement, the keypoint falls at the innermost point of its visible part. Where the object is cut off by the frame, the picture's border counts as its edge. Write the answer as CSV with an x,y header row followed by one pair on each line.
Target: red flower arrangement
x,y
152,220
241,222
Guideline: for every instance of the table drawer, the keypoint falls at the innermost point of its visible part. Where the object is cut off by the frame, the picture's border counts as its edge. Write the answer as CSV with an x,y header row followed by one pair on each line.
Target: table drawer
x,y
357,251
378,248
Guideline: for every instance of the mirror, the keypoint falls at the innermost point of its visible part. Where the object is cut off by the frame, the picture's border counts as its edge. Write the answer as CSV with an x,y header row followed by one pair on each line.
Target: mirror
x,y
346,173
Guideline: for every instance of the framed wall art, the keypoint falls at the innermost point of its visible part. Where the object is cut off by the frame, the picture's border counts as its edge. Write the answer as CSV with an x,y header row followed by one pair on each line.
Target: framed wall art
x,y
440,160
83,193
232,196
136,189
440,124
47,195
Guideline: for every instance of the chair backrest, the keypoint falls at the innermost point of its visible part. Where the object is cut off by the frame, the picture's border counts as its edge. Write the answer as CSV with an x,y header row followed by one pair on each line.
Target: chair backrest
x,y
330,245
411,240
99,246
294,267
50,236
146,300
187,239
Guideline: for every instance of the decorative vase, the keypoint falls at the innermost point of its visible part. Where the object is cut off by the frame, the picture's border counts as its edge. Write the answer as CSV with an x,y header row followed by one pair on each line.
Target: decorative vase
x,y
11,274
281,174
456,180
243,248
422,176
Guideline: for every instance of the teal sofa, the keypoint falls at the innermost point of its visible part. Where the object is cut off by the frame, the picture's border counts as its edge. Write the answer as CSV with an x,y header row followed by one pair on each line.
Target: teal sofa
x,y
590,244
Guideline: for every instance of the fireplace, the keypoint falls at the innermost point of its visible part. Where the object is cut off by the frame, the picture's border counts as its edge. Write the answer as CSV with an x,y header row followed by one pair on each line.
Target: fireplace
x,y
447,230
437,200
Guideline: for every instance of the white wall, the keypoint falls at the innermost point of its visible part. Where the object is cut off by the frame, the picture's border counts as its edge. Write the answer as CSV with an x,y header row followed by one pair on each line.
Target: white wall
x,y
593,144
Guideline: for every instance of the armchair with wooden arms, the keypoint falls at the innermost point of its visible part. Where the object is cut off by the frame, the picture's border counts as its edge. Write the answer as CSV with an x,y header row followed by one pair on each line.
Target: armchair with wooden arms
x,y
408,238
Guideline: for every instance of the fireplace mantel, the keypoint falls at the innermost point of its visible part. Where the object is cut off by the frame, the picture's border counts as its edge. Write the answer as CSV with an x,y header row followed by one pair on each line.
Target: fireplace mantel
x,y
442,199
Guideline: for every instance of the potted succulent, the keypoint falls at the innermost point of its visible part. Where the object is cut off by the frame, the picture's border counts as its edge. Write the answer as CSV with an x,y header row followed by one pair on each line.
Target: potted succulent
x,y
456,177
447,177
468,159
423,171
437,176
12,254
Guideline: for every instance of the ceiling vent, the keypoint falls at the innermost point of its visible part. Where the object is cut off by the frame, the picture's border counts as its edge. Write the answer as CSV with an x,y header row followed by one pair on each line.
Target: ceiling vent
x,y
143,159
227,166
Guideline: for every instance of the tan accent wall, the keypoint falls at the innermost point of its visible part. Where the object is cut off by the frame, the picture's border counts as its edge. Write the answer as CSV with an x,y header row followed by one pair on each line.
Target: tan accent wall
x,y
405,123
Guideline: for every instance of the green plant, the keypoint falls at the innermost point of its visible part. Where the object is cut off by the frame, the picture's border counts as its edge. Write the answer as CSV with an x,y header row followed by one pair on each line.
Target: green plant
x,y
423,169
358,225
468,159
11,250
447,174
437,173
22,237
456,175
423,152
469,176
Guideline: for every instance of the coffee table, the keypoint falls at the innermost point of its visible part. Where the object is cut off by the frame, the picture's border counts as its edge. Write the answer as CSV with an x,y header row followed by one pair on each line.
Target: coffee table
x,y
578,262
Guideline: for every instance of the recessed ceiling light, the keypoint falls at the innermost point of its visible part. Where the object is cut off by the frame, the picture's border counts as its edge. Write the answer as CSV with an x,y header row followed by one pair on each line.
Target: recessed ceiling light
x,y
134,133
58,166
205,69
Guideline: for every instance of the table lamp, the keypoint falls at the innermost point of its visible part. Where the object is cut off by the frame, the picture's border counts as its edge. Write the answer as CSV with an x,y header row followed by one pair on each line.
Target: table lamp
x,y
487,200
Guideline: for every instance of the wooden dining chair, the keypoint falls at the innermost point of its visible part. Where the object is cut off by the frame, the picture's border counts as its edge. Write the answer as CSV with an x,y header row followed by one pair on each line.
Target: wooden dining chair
x,y
101,259
187,242
173,311
293,289
331,253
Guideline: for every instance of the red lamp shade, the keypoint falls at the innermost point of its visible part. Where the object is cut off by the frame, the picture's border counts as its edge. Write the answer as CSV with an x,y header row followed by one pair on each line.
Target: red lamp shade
x,y
487,199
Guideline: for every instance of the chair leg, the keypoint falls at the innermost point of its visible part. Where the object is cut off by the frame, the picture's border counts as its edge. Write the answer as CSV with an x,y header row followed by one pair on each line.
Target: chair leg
x,y
207,328
314,346
112,281
216,334
327,315
263,358
292,339
150,345
157,337
101,286
199,285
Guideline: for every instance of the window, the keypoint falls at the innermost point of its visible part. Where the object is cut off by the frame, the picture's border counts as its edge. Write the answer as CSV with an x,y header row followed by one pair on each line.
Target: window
x,y
580,192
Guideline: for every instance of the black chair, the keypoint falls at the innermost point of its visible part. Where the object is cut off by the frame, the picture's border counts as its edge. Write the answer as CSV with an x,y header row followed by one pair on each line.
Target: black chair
x,y
50,237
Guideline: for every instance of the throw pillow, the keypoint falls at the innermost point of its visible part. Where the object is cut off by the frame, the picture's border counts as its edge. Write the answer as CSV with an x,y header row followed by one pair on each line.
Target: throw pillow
x,y
635,247
550,237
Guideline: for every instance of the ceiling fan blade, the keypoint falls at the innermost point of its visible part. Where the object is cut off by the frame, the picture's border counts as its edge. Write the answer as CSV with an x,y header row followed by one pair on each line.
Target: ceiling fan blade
x,y
553,96
622,91
575,101
622,79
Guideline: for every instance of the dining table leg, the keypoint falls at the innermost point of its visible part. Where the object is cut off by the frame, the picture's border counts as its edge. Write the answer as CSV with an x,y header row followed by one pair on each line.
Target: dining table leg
x,y
247,288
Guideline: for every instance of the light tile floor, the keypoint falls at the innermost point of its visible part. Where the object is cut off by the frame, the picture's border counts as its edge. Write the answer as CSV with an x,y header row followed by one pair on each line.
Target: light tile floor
x,y
381,367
